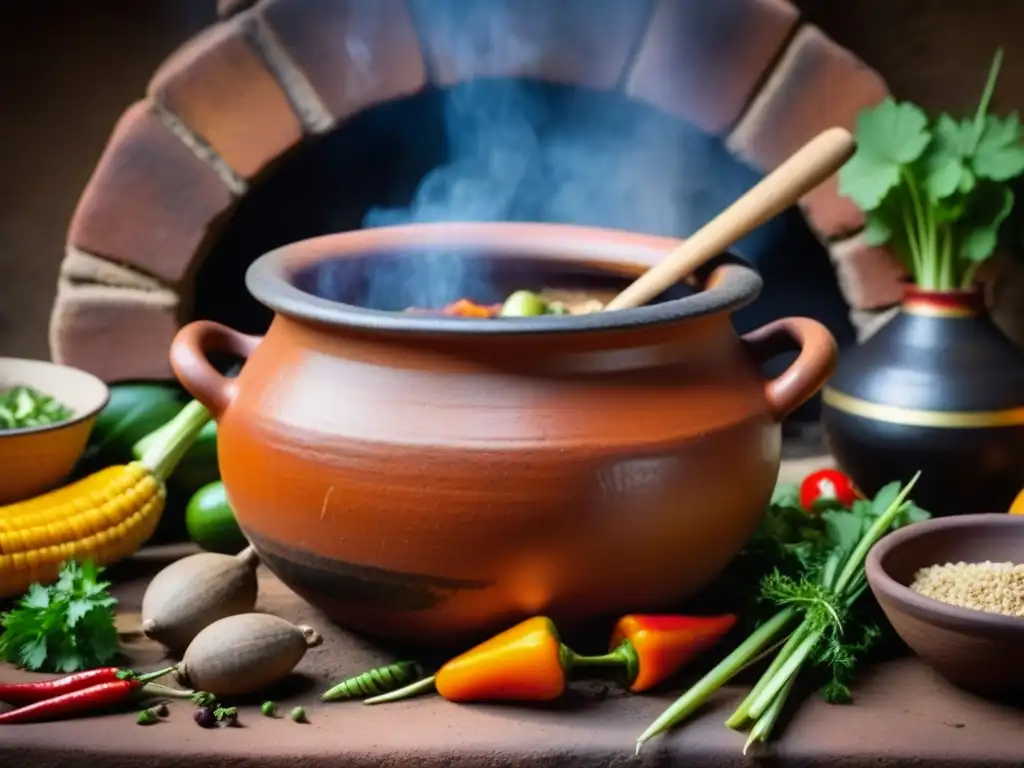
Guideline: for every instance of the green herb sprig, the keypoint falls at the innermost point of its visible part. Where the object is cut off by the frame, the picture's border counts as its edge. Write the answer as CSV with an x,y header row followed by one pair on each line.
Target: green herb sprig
x,y
818,619
935,191
66,627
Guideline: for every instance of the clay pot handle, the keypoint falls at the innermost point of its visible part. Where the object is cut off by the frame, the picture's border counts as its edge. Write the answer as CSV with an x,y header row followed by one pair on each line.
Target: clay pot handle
x,y
191,364
807,374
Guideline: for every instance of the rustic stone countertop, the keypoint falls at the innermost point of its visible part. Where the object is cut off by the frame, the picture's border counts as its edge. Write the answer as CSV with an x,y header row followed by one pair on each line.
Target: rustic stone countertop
x,y
903,715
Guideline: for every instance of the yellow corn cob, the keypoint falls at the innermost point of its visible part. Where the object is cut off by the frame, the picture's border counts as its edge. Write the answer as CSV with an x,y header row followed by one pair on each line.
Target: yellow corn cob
x,y
55,501
104,518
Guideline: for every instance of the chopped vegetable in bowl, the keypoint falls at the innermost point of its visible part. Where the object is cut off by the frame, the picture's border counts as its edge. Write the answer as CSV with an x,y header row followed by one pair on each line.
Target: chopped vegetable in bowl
x,y
25,407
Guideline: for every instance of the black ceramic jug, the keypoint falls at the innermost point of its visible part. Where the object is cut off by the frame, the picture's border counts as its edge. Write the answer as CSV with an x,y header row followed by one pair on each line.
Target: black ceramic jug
x,y
938,389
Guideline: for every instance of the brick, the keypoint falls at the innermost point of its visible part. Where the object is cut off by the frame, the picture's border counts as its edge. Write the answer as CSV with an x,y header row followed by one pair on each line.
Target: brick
x,y
81,267
226,8
218,86
868,322
584,42
353,53
817,84
150,200
117,334
702,61
1002,279
869,277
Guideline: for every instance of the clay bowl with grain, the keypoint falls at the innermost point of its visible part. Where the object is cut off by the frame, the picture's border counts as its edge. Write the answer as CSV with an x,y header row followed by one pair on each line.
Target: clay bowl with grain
x,y
37,459
431,479
976,650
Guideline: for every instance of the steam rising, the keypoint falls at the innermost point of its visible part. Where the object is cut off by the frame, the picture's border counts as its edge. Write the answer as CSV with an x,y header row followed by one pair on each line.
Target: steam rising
x,y
519,150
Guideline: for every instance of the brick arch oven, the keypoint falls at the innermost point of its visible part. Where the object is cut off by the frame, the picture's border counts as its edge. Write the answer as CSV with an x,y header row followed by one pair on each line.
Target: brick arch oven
x,y
237,108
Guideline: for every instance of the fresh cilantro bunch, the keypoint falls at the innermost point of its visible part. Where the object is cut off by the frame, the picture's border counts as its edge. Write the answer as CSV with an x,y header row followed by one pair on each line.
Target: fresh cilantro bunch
x,y
936,191
66,627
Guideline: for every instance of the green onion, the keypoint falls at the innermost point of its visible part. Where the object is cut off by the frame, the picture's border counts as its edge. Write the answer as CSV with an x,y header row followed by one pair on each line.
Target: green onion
x,y
820,605
24,407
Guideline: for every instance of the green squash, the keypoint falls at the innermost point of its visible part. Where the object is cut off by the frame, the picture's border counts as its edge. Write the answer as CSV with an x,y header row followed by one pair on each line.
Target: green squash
x,y
127,424
134,411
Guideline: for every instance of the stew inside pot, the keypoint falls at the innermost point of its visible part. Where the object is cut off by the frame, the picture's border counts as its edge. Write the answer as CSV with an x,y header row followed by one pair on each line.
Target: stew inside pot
x,y
548,301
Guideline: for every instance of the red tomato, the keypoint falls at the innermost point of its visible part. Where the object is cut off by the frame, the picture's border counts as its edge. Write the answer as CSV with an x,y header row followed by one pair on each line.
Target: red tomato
x,y
826,484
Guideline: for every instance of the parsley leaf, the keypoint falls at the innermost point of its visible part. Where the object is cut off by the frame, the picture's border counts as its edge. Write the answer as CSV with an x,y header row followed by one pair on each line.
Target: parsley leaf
x,y
935,191
948,159
66,627
32,654
999,155
986,211
37,597
877,228
889,136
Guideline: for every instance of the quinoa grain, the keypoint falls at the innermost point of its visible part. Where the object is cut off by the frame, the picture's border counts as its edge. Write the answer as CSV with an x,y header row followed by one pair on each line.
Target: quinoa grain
x,y
990,587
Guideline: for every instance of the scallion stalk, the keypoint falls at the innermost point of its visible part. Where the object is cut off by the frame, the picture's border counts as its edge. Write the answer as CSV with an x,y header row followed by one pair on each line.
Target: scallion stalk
x,y
763,726
726,669
765,702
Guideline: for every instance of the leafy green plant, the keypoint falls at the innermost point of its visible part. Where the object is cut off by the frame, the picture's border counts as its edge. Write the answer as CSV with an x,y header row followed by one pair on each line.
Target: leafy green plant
x,y
65,627
936,191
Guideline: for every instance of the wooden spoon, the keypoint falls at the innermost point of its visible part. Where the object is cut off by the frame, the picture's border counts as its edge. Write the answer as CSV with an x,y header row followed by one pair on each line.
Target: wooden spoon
x,y
818,159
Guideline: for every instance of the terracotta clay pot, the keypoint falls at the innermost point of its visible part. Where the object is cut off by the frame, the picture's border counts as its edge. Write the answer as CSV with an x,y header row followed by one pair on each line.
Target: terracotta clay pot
x,y
432,479
938,389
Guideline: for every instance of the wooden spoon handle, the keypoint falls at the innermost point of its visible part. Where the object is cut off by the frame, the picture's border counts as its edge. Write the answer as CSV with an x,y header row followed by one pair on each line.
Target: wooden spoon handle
x,y
821,157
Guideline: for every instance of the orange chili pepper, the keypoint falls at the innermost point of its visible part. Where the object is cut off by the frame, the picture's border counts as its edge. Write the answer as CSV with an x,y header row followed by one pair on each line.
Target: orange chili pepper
x,y
467,308
655,647
524,663
1017,507
528,662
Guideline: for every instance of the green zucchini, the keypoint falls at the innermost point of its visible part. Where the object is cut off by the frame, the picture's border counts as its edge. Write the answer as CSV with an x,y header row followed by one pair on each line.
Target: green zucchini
x,y
134,411
133,418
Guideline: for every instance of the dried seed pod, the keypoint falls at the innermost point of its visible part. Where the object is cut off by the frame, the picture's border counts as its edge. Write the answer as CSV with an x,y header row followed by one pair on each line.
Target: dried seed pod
x,y
194,592
244,654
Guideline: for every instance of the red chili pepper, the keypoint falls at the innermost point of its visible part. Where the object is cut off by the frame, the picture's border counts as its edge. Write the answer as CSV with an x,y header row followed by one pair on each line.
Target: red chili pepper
x,y
827,484
20,694
654,647
74,703
85,700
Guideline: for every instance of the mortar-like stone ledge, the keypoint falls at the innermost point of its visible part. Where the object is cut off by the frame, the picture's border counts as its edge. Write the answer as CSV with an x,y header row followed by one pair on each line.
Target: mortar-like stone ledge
x,y
903,714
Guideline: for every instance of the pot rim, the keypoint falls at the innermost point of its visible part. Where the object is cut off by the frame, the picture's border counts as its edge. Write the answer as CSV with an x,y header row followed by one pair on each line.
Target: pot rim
x,y
729,286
